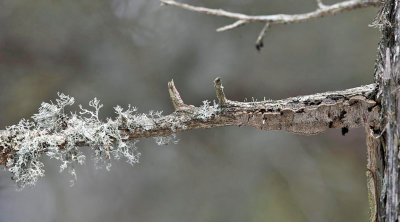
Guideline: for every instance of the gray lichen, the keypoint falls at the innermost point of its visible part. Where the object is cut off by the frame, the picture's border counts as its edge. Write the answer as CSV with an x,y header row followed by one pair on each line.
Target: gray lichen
x,y
58,135
206,110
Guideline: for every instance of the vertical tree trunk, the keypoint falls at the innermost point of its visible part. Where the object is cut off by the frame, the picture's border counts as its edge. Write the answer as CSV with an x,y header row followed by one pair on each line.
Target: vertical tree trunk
x,y
383,153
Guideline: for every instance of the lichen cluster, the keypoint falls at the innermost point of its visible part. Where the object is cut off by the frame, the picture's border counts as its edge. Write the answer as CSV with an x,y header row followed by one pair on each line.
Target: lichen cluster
x,y
60,135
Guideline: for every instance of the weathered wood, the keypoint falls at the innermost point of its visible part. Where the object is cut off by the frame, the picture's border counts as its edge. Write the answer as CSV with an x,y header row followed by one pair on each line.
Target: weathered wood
x,y
383,153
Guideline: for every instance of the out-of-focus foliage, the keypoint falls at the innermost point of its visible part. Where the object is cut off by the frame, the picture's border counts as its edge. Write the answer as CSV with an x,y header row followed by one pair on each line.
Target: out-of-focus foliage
x,y
124,52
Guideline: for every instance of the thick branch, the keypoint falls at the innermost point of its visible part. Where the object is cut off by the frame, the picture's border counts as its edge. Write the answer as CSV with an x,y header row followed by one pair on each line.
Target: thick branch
x,y
307,115
384,153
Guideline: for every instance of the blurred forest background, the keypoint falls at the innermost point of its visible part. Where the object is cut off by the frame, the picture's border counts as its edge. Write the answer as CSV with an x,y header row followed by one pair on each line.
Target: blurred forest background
x,y
125,51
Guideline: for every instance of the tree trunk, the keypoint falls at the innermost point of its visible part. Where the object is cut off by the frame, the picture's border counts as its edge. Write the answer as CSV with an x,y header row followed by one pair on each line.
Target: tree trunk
x,y
383,154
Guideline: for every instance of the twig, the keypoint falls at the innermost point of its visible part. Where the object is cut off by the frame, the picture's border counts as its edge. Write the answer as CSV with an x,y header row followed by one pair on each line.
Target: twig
x,y
242,19
279,18
259,41
232,26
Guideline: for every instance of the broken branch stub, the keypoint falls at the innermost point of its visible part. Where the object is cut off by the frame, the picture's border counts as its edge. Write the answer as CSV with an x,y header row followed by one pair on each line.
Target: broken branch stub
x,y
176,99
220,91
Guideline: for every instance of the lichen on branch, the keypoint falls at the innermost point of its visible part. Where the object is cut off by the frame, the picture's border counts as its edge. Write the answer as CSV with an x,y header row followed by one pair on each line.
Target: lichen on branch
x,y
60,135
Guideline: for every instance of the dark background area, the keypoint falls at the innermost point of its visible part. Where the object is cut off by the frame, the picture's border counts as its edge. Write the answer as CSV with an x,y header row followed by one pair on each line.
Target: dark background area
x,y
124,52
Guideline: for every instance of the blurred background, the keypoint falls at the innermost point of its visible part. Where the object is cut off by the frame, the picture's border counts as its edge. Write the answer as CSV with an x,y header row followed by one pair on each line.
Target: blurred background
x,y
125,51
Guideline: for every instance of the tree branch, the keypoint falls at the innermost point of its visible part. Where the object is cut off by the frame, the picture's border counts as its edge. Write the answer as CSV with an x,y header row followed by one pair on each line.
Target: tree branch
x,y
260,38
307,115
242,19
280,18
59,135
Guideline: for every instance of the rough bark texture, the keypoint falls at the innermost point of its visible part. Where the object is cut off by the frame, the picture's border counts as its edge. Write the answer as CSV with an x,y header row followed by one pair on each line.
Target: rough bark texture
x,y
383,154
307,115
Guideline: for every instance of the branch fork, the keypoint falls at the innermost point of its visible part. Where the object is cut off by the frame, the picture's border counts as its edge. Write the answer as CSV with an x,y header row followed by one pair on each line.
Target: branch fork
x,y
243,19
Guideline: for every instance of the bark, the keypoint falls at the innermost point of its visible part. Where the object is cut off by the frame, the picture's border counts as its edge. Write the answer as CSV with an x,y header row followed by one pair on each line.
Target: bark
x,y
383,154
307,115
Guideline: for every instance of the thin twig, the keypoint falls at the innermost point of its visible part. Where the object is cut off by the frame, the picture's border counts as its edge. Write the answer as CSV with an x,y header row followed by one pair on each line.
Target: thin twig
x,y
259,41
279,18
242,19
232,26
